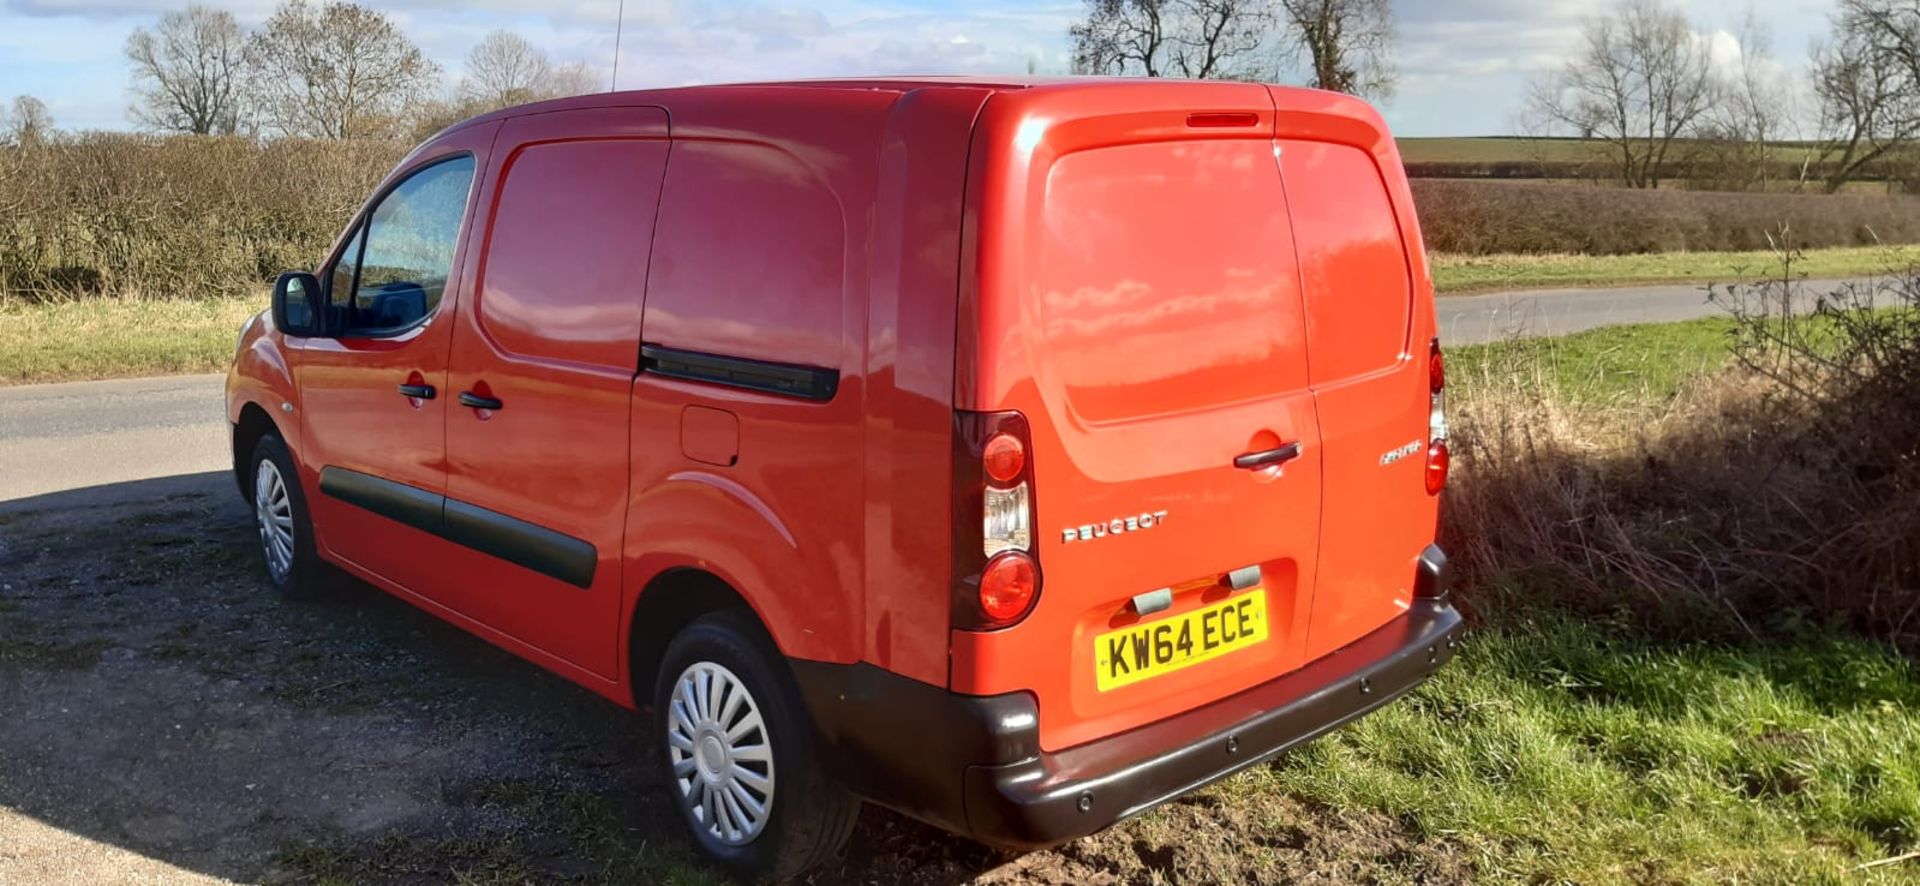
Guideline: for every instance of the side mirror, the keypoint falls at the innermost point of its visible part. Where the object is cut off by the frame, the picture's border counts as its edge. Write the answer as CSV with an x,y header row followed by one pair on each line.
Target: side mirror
x,y
296,298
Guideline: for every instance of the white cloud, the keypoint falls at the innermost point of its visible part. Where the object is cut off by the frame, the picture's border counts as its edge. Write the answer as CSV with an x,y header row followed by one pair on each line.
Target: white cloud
x,y
1463,63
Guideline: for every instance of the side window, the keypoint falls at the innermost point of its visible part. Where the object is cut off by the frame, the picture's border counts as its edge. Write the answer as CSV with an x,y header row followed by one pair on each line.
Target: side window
x,y
407,254
341,279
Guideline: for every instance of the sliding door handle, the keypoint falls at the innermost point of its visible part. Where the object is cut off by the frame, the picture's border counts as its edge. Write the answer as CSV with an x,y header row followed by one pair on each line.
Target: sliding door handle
x,y
469,398
1268,458
419,392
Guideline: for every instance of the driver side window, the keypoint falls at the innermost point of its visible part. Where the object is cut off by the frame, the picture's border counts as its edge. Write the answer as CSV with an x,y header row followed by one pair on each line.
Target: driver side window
x,y
393,273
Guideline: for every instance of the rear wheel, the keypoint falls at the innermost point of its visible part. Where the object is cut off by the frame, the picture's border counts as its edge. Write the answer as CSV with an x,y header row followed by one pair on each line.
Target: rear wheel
x,y
738,753
281,521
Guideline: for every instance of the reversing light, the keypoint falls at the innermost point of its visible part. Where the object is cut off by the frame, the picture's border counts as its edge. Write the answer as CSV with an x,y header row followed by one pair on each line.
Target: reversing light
x,y
1007,587
1004,458
1007,525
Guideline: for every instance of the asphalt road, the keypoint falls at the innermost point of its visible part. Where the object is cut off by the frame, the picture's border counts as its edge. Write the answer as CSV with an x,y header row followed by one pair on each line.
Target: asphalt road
x,y
96,436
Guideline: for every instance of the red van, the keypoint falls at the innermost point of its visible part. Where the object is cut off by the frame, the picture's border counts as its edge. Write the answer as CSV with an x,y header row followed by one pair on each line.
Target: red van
x,y
1016,455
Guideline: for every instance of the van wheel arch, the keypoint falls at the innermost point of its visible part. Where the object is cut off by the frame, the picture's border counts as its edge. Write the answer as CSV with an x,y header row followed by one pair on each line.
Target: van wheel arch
x,y
671,601
254,423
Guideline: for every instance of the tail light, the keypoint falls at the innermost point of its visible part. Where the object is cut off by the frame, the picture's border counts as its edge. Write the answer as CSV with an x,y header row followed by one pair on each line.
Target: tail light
x,y
996,575
1438,458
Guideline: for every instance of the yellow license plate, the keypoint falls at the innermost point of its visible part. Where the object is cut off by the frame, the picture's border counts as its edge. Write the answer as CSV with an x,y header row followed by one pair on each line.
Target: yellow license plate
x,y
1153,648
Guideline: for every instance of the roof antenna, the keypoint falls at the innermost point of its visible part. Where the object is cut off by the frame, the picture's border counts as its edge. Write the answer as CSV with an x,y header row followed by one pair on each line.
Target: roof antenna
x,y
619,22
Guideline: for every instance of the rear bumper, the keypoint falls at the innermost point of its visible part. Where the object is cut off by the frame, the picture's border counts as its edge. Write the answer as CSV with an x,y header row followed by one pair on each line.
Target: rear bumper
x,y
1072,793
973,765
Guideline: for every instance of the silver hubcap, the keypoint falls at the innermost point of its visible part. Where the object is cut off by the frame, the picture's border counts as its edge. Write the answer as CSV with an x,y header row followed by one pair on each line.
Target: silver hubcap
x,y
722,761
273,511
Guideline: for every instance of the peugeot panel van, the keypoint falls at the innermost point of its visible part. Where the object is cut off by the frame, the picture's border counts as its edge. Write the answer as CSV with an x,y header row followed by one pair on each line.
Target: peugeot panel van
x,y
1013,454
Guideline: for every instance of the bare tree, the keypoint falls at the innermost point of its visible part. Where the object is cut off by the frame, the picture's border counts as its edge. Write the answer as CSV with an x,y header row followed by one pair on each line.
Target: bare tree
x,y
1755,109
1348,43
187,71
572,78
1867,82
337,71
506,69
1642,82
28,123
1200,39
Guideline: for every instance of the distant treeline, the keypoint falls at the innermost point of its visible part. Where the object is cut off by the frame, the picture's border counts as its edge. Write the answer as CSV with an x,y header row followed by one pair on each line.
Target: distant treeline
x,y
1490,217
191,216
1903,178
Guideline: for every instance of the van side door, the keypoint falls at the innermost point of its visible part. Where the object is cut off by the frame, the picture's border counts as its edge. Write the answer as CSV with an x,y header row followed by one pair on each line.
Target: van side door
x,y
541,377
372,406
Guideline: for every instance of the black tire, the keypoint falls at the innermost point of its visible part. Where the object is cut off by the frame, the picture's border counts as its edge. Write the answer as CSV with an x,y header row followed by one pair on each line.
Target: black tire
x,y
302,577
809,816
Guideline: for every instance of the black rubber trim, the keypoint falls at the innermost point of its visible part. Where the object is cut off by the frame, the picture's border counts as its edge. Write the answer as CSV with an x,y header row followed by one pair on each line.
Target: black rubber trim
x,y
1431,580
398,502
903,743
516,541
472,400
553,554
785,379
973,764
1277,456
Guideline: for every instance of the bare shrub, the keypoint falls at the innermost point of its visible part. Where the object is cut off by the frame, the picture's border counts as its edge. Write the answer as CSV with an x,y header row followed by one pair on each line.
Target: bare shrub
x,y
1780,492
189,216
1486,217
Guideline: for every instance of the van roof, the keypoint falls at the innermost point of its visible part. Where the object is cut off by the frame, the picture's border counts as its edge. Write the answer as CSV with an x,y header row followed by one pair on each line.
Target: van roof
x,y
749,92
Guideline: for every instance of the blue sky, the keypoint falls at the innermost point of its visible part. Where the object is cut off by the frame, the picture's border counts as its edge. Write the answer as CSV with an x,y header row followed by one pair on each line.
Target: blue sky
x,y
1463,64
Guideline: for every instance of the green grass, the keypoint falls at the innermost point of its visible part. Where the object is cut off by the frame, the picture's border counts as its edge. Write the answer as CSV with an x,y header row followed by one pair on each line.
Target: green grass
x,y
1560,748
1556,750
112,338
1644,361
1480,273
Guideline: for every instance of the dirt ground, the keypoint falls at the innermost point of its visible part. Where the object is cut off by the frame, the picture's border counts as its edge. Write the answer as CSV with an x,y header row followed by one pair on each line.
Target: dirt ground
x,y
163,718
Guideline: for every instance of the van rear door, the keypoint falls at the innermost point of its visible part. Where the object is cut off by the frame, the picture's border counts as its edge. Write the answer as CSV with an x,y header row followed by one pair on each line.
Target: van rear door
x,y
1369,337
1134,294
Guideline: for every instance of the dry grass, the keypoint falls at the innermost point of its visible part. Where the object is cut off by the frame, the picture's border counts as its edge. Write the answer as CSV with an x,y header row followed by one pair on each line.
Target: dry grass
x,y
109,338
1778,494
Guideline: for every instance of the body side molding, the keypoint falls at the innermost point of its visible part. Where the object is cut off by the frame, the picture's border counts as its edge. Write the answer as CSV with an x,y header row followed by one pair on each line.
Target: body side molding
x,y
550,553
765,376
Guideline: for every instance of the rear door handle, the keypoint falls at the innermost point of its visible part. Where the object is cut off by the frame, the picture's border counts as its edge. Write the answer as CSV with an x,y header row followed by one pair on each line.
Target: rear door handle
x,y
1268,458
423,392
469,398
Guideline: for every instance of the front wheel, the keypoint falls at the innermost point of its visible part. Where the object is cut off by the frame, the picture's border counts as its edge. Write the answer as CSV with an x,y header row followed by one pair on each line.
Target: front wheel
x,y
280,517
738,753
